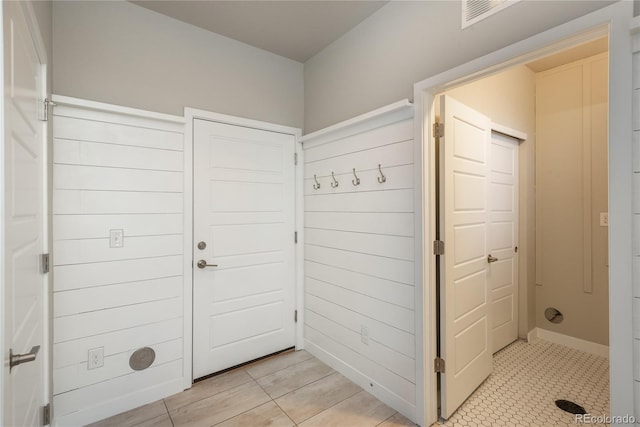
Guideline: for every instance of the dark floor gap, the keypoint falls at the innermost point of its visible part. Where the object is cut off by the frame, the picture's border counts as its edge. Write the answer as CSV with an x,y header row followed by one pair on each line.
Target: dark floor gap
x,y
215,374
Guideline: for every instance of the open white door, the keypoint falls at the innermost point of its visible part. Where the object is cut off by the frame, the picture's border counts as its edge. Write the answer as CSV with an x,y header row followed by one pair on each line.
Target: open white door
x,y
23,375
244,222
465,334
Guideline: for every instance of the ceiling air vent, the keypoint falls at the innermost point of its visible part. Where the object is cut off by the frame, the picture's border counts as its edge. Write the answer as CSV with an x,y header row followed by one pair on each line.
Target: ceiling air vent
x,y
476,10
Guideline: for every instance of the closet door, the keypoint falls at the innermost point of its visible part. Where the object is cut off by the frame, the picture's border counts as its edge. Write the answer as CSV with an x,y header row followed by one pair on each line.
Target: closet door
x,y
503,237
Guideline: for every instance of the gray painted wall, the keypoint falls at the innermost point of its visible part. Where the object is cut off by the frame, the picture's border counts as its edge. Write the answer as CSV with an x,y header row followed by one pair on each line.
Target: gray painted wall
x,y
404,42
44,11
120,53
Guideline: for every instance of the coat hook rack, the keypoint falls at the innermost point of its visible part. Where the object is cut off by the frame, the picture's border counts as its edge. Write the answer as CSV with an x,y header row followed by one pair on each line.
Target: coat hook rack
x,y
316,186
381,178
335,183
357,180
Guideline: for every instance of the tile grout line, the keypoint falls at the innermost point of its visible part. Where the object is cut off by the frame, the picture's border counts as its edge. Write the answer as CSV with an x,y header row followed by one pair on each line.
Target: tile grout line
x,y
248,410
250,379
168,412
387,419
303,386
308,384
273,400
325,409
206,397
337,403
283,411
275,372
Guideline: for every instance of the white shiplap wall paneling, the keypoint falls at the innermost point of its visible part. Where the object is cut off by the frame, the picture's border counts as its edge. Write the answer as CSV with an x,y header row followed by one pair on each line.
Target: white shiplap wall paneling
x,y
116,168
86,202
360,253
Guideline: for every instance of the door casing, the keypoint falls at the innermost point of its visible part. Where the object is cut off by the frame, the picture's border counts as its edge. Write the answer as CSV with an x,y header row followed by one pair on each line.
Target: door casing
x,y
614,21
190,115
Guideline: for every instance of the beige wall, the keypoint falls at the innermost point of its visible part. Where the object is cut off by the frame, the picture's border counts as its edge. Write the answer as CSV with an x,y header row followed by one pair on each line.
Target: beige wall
x,y
508,98
571,162
120,53
404,42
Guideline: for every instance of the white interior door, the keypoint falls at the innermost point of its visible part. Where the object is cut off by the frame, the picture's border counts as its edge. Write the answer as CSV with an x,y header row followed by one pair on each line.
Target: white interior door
x,y
244,199
465,334
503,237
23,281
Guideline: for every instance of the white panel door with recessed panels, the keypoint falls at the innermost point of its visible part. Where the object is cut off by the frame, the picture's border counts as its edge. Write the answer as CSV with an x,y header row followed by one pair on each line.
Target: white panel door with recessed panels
x,y
244,253
465,324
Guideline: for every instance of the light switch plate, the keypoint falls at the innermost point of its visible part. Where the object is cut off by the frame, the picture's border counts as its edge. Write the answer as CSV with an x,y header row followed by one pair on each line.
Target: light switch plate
x,y
116,238
604,219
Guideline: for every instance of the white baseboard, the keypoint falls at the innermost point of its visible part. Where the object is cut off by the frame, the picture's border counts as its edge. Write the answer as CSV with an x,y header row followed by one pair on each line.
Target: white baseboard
x,y
369,385
122,404
568,341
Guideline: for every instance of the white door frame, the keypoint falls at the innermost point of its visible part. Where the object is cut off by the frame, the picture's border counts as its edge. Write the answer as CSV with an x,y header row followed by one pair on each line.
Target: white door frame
x,y
614,20
190,114
32,23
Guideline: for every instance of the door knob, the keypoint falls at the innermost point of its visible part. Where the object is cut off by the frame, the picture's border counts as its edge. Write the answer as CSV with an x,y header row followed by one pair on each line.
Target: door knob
x,y
19,359
491,259
203,264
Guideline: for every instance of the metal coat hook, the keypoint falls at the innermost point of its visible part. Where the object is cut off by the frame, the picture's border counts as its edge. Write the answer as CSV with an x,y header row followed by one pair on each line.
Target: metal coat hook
x,y
357,180
316,186
381,178
335,183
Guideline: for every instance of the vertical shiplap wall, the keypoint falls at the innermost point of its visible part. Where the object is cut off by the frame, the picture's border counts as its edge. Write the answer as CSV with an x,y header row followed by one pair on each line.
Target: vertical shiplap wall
x,y
359,254
636,223
122,169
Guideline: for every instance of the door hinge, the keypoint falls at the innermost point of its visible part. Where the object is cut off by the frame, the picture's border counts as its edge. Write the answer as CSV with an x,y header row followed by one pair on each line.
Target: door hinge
x,y
45,109
438,130
295,237
295,159
44,263
515,249
46,414
438,247
438,365
295,316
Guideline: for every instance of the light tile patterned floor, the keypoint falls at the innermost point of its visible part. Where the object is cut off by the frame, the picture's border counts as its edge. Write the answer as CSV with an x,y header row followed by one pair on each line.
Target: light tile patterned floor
x,y
289,389
526,381
294,389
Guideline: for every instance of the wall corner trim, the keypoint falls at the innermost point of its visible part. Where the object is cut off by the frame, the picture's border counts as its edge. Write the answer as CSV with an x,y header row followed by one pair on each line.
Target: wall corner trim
x,y
388,114
568,341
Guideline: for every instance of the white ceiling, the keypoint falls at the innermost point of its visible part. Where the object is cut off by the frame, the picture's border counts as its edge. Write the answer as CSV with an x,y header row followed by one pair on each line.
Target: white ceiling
x,y
293,29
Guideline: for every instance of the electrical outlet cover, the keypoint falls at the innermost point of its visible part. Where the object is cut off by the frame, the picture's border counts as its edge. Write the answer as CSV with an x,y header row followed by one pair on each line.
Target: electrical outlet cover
x,y
116,238
95,358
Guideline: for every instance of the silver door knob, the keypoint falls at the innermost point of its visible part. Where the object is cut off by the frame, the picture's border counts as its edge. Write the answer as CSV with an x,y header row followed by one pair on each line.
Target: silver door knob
x,y
19,359
203,264
491,259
